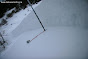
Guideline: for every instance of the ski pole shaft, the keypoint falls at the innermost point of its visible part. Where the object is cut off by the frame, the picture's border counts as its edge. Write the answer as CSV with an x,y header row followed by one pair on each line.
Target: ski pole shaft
x,y
36,15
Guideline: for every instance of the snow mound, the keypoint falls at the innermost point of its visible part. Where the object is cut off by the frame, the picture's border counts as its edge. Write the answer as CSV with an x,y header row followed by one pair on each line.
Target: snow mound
x,y
55,43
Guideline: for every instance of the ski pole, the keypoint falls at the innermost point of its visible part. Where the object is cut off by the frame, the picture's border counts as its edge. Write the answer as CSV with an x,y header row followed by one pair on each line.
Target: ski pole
x,y
36,15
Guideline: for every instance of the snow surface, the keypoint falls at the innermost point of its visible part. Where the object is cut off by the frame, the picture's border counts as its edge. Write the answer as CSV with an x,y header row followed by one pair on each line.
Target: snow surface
x,y
65,38
55,43
73,13
13,23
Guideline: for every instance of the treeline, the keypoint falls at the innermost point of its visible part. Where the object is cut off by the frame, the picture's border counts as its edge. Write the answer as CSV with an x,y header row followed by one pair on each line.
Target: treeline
x,y
5,7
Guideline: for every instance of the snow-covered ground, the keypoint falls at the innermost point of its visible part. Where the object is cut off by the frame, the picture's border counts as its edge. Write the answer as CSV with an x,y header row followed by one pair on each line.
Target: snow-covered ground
x,y
66,36
55,43
15,20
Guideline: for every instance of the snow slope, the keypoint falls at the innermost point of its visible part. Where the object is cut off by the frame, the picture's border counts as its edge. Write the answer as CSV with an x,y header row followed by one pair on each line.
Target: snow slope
x,y
55,43
69,13
15,20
